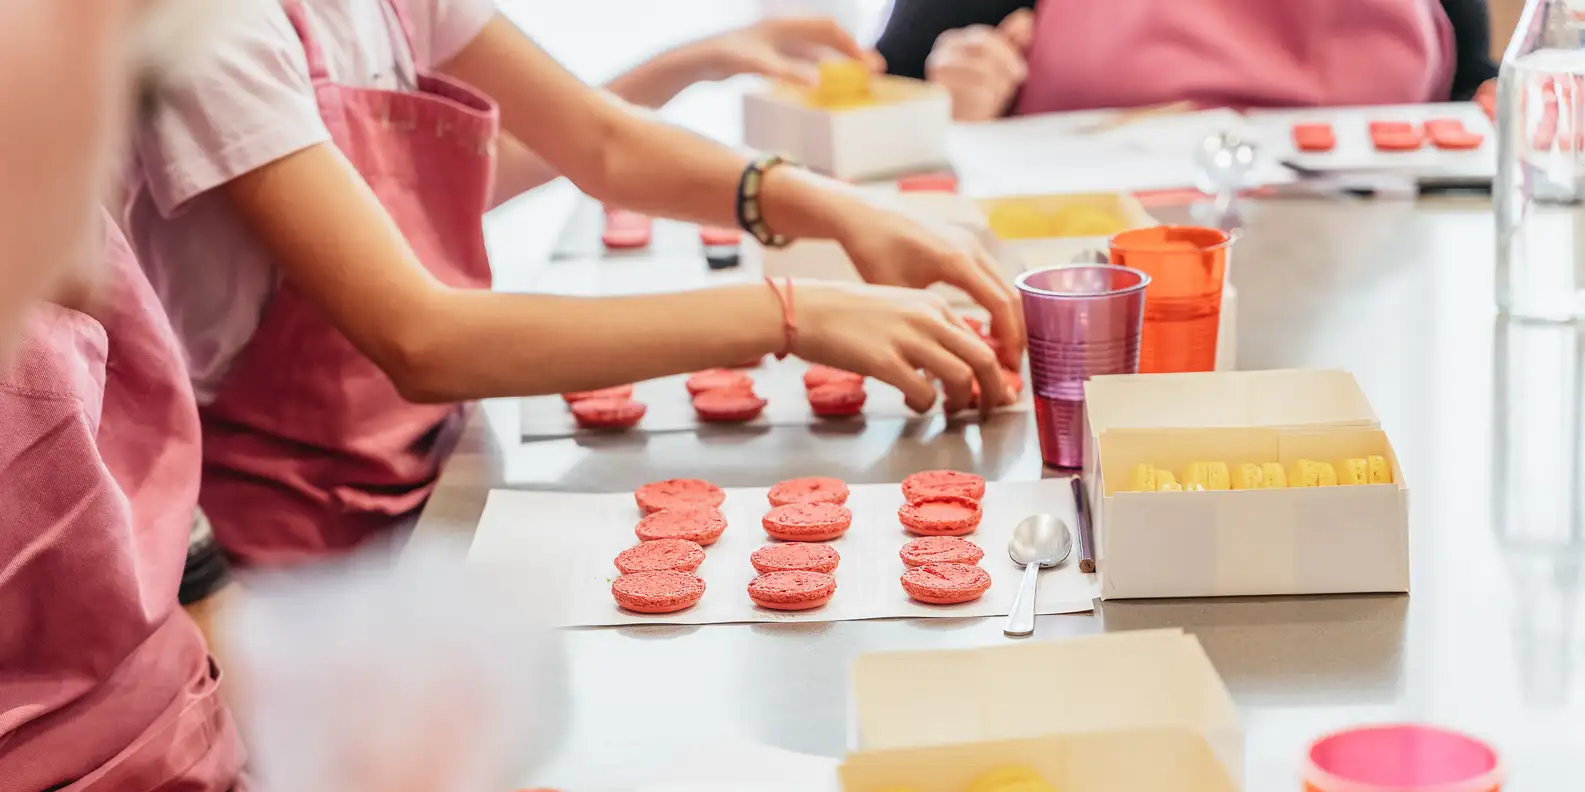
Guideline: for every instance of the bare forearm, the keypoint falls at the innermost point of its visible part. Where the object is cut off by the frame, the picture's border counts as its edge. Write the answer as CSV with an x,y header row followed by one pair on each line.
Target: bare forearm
x,y
489,344
658,80
630,158
651,84
518,170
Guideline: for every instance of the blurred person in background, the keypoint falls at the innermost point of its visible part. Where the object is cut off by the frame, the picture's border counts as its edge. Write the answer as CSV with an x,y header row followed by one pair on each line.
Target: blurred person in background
x,y
56,144
105,683
432,676
1018,57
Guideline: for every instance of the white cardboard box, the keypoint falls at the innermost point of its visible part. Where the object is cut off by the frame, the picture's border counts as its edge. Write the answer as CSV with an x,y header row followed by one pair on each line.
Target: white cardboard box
x,y
903,131
1325,540
1131,711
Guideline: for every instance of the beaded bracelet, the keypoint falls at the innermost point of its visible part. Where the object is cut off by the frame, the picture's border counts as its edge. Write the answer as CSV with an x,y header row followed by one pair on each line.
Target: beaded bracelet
x,y
750,214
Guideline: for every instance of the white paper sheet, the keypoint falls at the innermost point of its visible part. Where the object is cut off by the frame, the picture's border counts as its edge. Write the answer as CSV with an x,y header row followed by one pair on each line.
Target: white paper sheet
x,y
1065,153
585,532
741,766
779,382
1355,153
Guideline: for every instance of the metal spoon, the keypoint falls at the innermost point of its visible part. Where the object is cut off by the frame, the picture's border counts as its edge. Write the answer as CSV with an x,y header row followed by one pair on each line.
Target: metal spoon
x,y
1039,542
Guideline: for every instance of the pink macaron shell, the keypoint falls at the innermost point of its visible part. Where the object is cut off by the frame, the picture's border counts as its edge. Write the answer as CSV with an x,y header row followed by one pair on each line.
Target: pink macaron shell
x,y
792,591
946,584
658,592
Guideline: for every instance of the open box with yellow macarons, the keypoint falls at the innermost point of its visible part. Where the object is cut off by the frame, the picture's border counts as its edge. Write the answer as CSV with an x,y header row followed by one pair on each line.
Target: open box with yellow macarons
x,y
1140,710
1243,483
852,125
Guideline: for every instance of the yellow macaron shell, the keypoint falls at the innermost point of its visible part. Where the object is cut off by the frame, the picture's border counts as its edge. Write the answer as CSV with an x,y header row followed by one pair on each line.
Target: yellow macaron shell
x,y
1351,472
843,83
1144,479
1216,477
1166,482
1011,779
1273,476
1377,470
1247,476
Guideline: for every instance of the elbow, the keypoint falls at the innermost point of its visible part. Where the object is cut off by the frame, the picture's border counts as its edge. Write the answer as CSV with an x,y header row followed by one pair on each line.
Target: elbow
x,y
599,169
415,364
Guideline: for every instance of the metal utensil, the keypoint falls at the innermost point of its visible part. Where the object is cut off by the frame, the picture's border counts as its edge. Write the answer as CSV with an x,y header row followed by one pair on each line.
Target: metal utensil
x,y
1081,508
1039,542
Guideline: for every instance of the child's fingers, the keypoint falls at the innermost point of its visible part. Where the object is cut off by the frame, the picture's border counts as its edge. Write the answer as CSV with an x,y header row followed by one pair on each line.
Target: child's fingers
x,y
819,31
918,392
956,376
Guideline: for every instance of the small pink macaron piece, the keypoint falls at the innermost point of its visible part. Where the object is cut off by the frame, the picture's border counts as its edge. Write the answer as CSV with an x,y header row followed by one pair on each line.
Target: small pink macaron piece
x,y
837,400
819,375
718,379
812,489
930,483
702,525
941,515
614,392
608,413
664,591
729,405
680,555
792,591
940,550
807,522
795,557
946,584
673,493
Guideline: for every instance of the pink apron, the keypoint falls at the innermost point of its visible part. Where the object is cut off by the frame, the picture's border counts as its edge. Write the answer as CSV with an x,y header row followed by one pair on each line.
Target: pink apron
x,y
105,684
308,447
1237,53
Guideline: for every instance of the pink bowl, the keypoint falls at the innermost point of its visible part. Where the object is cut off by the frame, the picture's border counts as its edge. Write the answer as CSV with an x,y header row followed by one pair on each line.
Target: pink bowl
x,y
1402,758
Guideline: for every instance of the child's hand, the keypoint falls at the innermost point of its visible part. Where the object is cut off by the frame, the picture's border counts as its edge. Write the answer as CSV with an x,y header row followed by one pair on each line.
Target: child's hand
x,y
783,48
891,249
892,334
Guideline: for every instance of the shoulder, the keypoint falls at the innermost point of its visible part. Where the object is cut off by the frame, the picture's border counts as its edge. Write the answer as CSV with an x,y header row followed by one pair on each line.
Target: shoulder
x,y
442,28
245,102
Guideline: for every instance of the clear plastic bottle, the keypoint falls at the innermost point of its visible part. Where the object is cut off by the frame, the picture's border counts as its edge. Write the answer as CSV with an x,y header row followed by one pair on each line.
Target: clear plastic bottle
x,y
1539,191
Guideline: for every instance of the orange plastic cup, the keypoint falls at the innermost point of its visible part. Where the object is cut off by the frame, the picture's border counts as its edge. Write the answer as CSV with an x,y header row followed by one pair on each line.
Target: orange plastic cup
x,y
1183,304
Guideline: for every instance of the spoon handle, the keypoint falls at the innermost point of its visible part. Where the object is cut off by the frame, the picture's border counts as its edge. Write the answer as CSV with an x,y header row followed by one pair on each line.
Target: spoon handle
x,y
1022,619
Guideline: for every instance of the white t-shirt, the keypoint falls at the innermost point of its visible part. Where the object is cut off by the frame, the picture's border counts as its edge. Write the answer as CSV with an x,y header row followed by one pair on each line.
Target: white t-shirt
x,y
250,103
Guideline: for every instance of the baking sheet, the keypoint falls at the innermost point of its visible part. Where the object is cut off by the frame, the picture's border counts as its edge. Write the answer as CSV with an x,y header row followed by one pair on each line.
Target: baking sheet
x,y
1354,152
779,382
584,532
1084,152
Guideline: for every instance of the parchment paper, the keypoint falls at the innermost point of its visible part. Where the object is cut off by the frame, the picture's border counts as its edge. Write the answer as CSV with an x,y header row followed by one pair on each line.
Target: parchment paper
x,y
576,536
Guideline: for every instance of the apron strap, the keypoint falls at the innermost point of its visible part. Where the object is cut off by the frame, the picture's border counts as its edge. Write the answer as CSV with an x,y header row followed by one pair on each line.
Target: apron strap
x,y
318,69
407,28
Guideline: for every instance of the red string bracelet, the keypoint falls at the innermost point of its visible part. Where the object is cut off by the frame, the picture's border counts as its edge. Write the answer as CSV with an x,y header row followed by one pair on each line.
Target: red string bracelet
x,y
789,316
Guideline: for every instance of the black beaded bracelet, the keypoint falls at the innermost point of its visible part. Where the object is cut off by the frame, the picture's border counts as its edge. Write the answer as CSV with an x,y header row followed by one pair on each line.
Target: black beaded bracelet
x,y
750,215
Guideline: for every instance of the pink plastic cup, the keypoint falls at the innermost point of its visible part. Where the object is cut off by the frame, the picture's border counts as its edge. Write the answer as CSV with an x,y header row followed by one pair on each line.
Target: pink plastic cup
x,y
1082,320
1402,758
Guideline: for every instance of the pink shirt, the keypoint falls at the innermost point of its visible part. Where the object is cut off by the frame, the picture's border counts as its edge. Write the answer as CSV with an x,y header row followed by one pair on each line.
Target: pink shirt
x,y
251,105
1237,53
